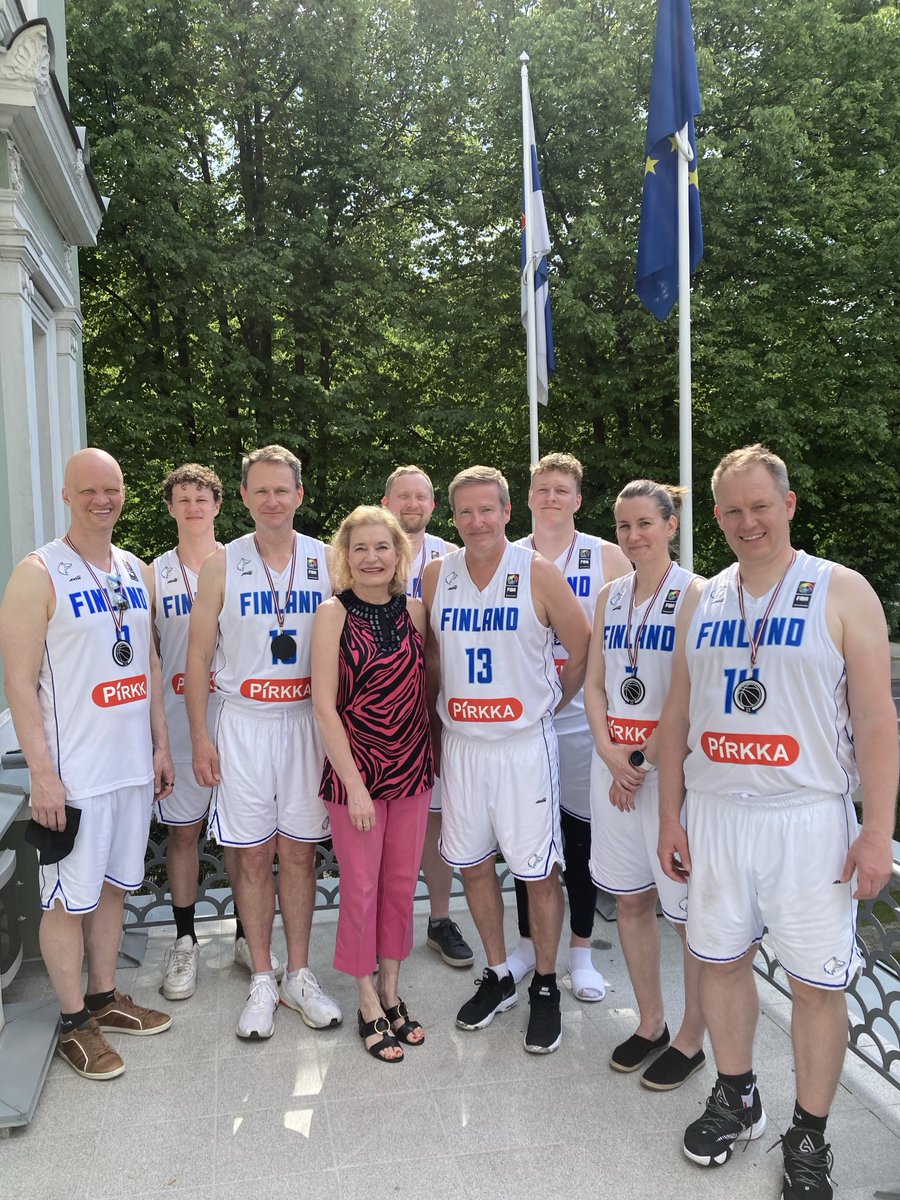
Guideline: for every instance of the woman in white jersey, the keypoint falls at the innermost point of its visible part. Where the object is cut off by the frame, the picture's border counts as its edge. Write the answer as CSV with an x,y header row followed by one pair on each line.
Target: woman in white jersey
x,y
628,675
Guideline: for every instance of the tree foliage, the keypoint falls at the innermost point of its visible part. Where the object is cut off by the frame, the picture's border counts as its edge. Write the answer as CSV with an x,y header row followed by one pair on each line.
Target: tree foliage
x,y
313,239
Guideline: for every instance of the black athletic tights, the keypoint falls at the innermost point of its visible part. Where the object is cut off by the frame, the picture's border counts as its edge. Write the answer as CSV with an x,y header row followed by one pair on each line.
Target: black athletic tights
x,y
579,886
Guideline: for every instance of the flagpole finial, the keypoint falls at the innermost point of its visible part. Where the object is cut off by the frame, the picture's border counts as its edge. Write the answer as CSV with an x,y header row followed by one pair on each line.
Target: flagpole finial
x,y
523,58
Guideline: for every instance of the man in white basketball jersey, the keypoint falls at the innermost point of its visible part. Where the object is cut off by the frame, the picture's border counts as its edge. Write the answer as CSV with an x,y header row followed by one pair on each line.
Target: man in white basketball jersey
x,y
255,603
193,497
84,689
409,494
493,610
775,657
588,563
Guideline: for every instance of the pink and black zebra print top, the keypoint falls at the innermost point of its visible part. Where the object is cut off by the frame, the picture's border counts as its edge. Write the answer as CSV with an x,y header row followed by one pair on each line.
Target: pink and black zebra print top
x,y
381,702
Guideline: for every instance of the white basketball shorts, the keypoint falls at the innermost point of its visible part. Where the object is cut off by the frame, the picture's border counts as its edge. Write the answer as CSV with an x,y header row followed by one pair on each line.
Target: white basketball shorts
x,y
502,796
773,863
271,768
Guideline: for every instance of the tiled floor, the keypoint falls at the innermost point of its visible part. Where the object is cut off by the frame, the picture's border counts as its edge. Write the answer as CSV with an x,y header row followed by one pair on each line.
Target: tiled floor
x,y
200,1115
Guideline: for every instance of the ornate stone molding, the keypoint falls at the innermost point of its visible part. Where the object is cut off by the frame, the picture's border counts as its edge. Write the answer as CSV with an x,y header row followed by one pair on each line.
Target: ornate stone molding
x,y
27,60
16,174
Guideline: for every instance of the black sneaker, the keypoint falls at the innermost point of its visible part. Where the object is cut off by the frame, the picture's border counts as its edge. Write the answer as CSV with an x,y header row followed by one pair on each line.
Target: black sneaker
x,y
544,1031
807,1165
710,1139
492,996
445,937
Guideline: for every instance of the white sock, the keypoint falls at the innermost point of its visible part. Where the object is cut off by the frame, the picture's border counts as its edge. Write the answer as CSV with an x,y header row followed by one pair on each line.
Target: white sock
x,y
521,960
501,970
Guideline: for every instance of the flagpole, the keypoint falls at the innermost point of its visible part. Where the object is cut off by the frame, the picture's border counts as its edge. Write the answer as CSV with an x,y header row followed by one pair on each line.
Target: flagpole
x,y
685,436
530,322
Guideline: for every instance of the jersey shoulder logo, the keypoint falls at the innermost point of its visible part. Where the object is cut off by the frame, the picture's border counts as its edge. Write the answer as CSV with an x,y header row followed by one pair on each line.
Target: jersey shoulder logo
x,y
803,595
64,568
511,590
450,581
243,565
168,574
130,569
670,601
584,559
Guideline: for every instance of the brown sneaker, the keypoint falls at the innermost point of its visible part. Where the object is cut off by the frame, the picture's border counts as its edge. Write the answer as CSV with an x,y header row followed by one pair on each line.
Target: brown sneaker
x,y
88,1052
124,1016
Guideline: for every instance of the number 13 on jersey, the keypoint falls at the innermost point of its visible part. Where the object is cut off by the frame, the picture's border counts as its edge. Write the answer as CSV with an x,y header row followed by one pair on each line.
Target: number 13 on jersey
x,y
480,668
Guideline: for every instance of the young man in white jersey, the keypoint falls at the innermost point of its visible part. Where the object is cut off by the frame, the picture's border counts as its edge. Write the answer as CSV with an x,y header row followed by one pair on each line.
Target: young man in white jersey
x,y
84,689
493,610
409,494
255,602
774,658
588,563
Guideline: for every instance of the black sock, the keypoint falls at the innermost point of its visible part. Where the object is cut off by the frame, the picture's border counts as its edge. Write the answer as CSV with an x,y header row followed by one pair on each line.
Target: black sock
x,y
98,1000
75,1020
184,921
538,981
238,927
740,1083
807,1121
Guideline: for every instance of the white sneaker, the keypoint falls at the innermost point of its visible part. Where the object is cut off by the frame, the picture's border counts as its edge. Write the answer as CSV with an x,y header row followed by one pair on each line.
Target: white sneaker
x,y
300,991
182,961
243,957
258,1018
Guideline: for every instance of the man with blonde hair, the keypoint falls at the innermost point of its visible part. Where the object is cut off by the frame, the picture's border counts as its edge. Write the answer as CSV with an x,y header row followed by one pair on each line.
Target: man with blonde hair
x,y
409,494
493,609
780,707
587,563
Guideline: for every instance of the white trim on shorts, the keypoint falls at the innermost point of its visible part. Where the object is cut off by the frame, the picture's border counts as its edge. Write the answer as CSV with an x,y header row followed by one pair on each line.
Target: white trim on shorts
x,y
110,848
623,844
490,791
754,866
271,770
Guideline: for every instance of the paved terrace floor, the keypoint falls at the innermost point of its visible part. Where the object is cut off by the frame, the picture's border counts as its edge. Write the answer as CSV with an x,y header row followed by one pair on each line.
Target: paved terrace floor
x,y
201,1115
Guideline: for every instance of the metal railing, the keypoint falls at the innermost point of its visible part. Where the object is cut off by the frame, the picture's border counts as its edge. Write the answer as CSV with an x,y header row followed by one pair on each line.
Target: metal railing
x,y
873,1000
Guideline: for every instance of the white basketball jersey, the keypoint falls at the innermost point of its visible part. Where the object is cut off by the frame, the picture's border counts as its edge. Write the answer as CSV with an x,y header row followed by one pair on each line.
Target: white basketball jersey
x,y
250,675
632,723
498,678
96,712
175,594
790,728
582,565
432,547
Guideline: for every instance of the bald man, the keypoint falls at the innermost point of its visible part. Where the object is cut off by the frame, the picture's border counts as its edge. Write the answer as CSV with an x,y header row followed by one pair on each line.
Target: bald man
x,y
84,689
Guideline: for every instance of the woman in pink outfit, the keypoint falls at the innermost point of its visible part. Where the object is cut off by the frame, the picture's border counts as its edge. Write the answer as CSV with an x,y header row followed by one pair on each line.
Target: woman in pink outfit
x,y
368,673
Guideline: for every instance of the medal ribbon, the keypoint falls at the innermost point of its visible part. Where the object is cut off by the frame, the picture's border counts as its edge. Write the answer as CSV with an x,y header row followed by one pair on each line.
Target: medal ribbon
x,y
187,586
568,555
279,611
756,641
417,589
632,649
117,614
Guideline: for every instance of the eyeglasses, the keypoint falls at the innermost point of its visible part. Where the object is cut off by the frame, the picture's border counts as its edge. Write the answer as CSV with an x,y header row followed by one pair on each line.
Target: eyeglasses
x,y
117,592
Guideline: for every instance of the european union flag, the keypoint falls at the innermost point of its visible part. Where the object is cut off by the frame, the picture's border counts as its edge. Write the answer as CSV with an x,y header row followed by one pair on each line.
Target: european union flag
x,y
674,102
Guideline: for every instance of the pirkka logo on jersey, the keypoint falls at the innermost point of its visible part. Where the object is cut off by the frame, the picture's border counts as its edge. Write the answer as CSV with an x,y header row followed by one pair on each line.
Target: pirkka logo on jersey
x,y
751,749
120,691
178,683
503,708
629,733
276,691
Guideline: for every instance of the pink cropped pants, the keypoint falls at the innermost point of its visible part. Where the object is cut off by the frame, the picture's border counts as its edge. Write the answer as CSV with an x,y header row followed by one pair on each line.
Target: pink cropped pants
x,y
379,871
